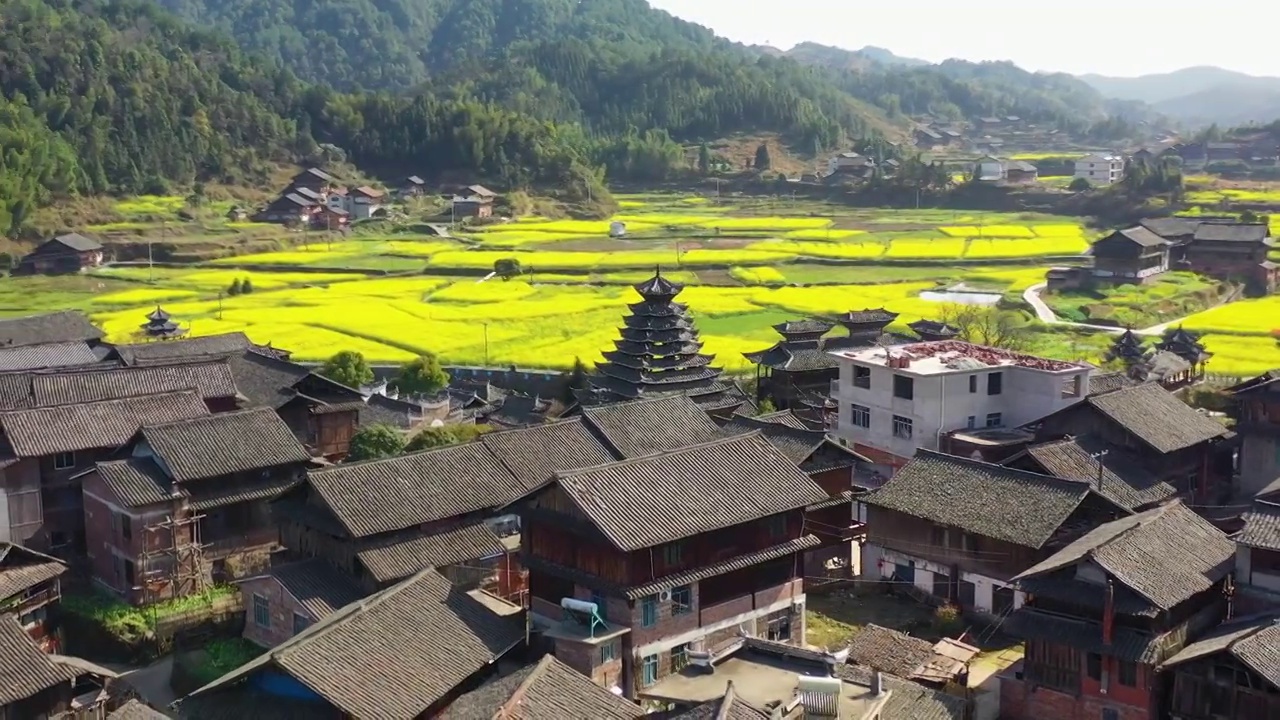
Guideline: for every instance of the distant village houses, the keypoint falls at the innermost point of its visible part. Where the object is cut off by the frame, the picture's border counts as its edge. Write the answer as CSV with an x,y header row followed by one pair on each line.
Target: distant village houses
x,y
69,253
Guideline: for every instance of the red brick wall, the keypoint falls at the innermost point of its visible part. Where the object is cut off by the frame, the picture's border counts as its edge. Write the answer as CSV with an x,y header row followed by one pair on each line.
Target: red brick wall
x,y
586,659
787,590
1019,702
667,624
713,614
282,607
104,539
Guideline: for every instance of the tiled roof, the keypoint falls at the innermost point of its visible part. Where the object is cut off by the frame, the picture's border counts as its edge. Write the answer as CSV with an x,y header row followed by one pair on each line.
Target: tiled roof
x,y
265,381
168,351
715,485
46,356
22,569
15,391
318,586
430,638
909,700
728,707
1019,507
1222,232
136,481
224,444
784,417
24,669
1126,644
1171,226
737,562
397,493
518,411
59,327
547,690
1140,236
84,426
207,496
211,380
1166,555
891,651
135,710
401,555
812,450
534,454
644,427
1157,417
1261,526
77,242
1124,480
1253,640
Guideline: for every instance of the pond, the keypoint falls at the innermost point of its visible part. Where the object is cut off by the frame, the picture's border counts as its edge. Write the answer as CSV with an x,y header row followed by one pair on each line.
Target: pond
x,y
960,297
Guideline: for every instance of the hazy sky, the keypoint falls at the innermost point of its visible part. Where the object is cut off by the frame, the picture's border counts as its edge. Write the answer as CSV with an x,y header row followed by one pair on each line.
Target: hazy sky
x,y
1111,37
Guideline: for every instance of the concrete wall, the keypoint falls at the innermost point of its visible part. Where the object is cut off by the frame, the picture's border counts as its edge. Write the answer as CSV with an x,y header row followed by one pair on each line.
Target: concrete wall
x,y
878,563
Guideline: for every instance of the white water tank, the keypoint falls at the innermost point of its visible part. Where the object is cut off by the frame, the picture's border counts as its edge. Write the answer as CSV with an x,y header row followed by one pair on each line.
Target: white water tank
x,y
617,229
581,606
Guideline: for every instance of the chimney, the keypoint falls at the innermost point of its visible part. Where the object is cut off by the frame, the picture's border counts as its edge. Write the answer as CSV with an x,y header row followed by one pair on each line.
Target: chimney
x,y
877,683
1109,614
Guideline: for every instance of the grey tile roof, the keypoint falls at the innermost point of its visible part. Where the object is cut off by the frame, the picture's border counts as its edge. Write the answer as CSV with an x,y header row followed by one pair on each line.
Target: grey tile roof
x,y
737,562
1171,226
784,417
318,586
389,558
812,450
909,700
644,427
84,426
47,356
1126,644
24,669
1106,382
534,454
546,690
1261,526
1019,507
1166,555
77,242
15,391
22,569
136,482
223,444
211,380
381,496
265,381
1254,641
135,710
891,651
715,485
205,497
1124,480
168,351
431,637
60,327
1222,232
1141,236
1157,417
728,707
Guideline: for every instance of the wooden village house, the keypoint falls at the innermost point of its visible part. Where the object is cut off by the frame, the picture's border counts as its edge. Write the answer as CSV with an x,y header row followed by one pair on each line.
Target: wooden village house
x,y
69,253
1105,611
53,340
651,587
187,504
291,597
1134,255
30,589
35,684
1232,673
1257,558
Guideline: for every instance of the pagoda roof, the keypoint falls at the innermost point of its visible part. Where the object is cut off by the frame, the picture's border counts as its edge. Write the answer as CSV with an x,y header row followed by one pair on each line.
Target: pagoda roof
x,y
641,349
867,316
652,322
810,326
1127,338
648,361
793,359
933,327
155,327
659,337
658,308
158,314
658,287
675,376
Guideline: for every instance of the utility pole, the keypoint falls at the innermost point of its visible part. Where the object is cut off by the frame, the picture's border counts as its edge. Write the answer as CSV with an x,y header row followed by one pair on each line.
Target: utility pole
x,y
486,343
1099,456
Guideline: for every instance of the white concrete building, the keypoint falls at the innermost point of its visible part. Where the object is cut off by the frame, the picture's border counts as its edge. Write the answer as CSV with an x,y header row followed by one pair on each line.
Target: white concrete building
x,y
896,400
1258,554
1100,169
849,162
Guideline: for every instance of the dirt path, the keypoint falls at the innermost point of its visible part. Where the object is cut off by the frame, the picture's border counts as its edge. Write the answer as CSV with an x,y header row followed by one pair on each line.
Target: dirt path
x,y
1045,314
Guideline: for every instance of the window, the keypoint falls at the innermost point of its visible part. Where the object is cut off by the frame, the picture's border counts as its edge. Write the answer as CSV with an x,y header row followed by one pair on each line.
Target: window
x,y
126,527
300,622
261,611
1093,663
681,600
650,670
129,578
973,383
994,420
608,653
671,553
861,377
904,387
901,427
679,657
64,461
649,611
1128,674
971,423
1110,714
995,383
862,418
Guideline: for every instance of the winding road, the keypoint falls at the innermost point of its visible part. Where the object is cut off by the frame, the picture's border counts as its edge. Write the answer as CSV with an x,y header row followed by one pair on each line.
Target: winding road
x,y
1045,314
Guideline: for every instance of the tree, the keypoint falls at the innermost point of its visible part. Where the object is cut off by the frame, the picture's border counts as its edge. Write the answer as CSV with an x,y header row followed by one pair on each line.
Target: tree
x,y
422,376
1079,185
445,435
348,368
372,442
763,162
246,286
235,287
988,326
766,406
197,197
507,268
704,159
577,380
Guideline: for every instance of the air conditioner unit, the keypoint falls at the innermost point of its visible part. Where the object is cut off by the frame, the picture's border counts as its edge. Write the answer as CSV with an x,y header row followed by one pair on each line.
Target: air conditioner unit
x,y
664,596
